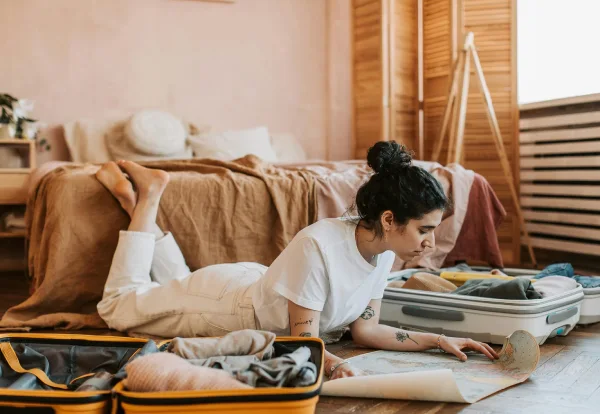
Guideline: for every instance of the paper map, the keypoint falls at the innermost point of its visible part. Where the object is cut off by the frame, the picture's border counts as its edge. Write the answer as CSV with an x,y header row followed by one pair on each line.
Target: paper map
x,y
435,376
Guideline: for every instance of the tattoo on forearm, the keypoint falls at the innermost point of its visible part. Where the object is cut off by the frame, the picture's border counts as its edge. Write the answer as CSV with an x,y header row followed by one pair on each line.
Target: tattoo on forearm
x,y
308,322
403,336
306,334
368,313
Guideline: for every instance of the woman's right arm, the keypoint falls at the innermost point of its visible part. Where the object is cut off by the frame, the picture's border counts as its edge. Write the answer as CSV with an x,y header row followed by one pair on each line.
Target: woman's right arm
x,y
304,322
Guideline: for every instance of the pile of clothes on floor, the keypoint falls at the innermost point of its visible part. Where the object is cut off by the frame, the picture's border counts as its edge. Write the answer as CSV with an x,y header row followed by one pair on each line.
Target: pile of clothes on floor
x,y
464,280
239,360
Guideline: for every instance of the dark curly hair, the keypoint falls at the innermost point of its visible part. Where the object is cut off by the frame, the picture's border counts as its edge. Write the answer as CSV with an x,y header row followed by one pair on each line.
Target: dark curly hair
x,y
408,191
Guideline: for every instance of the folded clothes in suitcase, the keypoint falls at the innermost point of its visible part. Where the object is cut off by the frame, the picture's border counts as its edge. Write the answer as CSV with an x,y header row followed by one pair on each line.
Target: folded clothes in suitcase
x,y
61,373
483,319
296,400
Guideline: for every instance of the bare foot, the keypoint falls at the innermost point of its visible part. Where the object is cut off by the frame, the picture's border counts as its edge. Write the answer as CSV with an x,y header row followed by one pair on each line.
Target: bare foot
x,y
111,177
149,183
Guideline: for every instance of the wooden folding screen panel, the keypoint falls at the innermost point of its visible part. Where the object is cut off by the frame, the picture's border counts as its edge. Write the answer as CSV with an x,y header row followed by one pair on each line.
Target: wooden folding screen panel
x,y
445,23
403,25
438,54
368,74
494,25
386,99
385,72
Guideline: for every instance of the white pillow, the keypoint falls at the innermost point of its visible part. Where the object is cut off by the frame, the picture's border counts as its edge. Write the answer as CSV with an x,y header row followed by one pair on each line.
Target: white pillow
x,y
154,132
85,139
288,148
120,147
230,145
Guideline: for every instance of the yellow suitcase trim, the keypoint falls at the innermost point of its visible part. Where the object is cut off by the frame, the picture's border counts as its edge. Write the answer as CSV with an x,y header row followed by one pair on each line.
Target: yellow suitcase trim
x,y
459,278
74,337
299,400
288,407
13,361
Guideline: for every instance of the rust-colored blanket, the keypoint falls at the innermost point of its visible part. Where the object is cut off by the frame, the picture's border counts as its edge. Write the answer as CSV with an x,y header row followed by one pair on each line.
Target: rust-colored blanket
x,y
478,239
219,212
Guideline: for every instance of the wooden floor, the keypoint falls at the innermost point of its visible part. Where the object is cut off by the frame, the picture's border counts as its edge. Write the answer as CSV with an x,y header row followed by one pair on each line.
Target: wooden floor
x,y
566,381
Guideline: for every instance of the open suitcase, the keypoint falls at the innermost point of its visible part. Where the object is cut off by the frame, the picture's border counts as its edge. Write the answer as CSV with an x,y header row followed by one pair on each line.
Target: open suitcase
x,y
590,307
38,374
482,319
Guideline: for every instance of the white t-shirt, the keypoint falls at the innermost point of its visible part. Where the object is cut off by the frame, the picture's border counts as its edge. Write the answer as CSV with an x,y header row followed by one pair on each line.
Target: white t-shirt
x,y
321,269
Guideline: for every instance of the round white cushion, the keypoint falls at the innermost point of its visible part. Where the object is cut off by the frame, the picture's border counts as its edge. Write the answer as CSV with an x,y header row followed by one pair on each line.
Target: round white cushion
x,y
155,132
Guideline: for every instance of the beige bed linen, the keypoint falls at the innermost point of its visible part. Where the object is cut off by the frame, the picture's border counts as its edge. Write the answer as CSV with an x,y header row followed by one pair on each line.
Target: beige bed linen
x,y
219,212
74,223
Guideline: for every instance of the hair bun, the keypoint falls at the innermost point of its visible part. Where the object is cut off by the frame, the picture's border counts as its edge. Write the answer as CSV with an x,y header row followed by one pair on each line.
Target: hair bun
x,y
388,157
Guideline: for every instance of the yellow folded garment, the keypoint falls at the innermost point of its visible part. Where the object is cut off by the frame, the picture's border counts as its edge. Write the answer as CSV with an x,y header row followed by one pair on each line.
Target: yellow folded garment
x,y
459,278
429,283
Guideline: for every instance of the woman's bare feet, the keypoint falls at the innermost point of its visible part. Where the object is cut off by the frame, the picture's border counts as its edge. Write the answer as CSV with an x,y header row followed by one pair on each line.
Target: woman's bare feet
x,y
149,183
111,177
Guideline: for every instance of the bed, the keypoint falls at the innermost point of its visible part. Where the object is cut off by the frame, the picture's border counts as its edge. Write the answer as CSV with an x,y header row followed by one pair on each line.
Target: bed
x,y
219,211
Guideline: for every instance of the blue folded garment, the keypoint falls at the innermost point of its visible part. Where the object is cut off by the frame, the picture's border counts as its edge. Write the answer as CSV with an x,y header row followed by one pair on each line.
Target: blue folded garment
x,y
566,270
557,269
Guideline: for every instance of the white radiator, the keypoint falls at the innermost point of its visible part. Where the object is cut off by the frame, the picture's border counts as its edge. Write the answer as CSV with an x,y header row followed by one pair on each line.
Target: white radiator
x,y
560,173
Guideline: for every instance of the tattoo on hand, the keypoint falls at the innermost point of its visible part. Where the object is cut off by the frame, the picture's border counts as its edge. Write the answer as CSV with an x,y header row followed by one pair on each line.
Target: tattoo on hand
x,y
308,322
368,313
403,336
306,334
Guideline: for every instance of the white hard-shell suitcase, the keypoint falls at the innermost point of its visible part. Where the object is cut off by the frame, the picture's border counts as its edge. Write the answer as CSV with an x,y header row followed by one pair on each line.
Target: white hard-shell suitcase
x,y
590,307
483,319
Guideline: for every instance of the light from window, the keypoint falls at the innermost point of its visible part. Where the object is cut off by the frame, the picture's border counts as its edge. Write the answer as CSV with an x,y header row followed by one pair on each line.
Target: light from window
x,y
558,48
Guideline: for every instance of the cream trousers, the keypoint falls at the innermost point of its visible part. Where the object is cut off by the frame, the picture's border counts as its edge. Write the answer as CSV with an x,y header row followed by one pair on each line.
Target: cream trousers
x,y
151,290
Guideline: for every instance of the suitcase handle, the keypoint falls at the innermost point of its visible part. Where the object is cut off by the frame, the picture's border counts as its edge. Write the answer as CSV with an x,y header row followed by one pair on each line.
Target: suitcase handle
x,y
560,316
428,313
13,362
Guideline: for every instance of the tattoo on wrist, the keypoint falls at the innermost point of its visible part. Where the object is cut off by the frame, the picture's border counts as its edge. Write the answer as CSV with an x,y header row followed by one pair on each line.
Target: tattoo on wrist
x,y
306,334
403,336
368,313
308,322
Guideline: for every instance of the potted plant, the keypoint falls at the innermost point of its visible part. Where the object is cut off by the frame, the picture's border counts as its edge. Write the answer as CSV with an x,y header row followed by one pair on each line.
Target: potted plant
x,y
14,122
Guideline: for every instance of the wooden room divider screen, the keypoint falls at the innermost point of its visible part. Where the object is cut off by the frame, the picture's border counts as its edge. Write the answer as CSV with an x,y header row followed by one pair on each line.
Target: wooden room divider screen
x,y
403,51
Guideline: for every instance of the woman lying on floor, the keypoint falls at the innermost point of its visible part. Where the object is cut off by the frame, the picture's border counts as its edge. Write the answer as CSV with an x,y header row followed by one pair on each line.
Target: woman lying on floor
x,y
332,274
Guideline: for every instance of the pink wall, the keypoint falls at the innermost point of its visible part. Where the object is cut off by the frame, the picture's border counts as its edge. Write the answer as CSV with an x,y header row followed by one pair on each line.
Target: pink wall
x,y
285,64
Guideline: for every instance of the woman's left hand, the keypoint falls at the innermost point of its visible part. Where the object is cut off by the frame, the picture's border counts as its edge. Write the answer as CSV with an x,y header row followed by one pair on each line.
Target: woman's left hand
x,y
456,345
346,370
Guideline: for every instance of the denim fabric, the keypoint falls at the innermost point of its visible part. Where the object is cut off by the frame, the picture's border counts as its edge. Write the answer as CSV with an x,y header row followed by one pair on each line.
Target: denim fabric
x,y
557,269
588,281
566,270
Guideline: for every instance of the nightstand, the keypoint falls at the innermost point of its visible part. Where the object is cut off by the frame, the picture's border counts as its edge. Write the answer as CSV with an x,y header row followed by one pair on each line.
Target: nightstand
x,y
13,198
